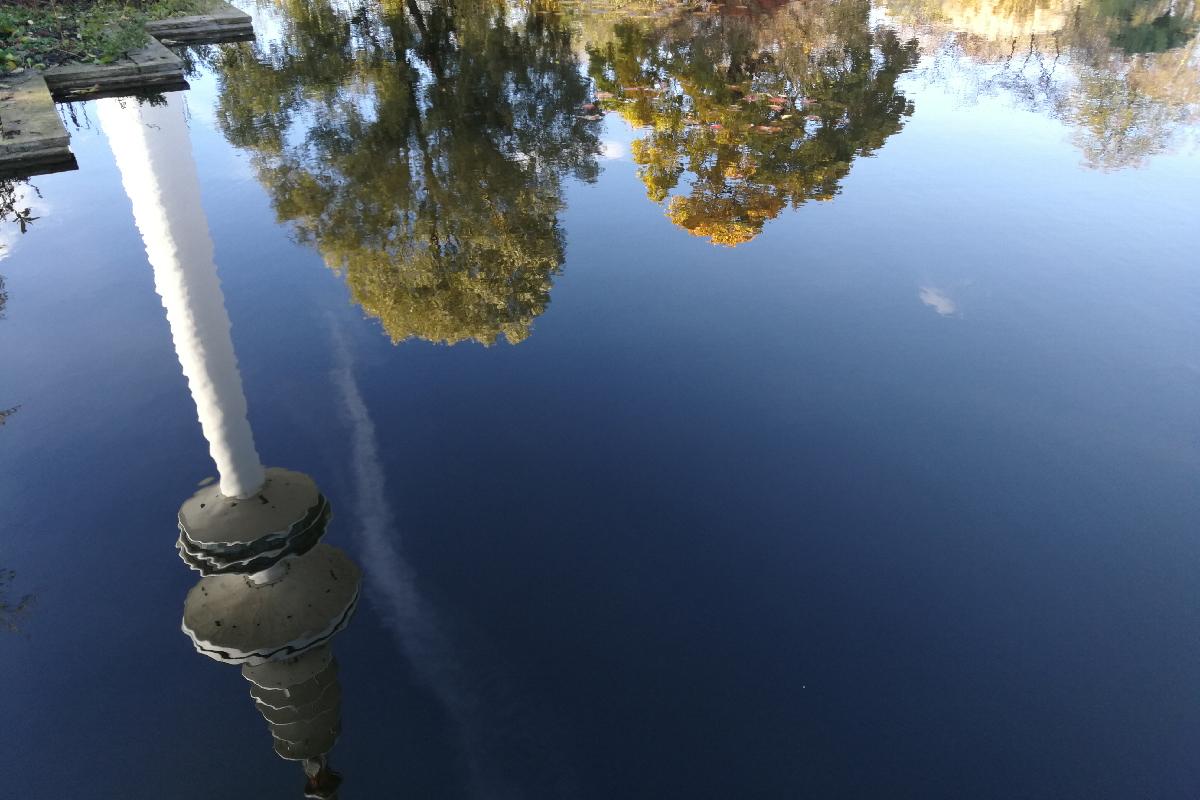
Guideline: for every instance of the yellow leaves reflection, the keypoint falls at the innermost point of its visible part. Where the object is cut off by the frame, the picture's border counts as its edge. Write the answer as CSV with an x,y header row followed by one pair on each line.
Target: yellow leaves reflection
x,y
718,97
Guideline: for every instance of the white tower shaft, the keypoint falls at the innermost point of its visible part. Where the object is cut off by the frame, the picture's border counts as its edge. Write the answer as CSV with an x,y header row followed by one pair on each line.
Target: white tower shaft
x,y
154,153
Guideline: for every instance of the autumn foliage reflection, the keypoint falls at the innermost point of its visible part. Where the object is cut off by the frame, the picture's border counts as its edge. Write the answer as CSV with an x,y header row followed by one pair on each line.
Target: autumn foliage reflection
x,y
1122,75
420,148
753,110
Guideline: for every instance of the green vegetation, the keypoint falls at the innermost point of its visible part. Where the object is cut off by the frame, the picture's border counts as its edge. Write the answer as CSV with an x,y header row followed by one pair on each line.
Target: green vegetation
x,y
37,36
1144,26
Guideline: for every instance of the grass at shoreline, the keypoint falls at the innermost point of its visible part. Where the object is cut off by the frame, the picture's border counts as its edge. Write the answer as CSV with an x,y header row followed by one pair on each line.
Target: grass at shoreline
x,y
41,35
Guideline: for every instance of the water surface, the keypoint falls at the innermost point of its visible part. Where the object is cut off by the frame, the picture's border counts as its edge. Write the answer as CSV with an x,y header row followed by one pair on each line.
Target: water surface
x,y
690,447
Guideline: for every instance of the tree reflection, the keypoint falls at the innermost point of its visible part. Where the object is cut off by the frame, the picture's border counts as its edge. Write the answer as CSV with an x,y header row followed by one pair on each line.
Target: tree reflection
x,y
1138,86
1123,74
13,192
421,150
13,610
764,109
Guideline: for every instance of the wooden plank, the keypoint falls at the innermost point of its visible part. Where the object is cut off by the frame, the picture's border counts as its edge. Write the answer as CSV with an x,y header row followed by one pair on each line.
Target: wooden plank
x,y
33,140
32,135
217,22
151,67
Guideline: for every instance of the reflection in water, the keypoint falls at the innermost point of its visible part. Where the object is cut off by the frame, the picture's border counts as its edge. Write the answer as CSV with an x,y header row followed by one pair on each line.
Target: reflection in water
x,y
13,610
508,749
5,413
764,109
14,193
428,163
153,151
421,149
1123,74
393,583
272,597
935,299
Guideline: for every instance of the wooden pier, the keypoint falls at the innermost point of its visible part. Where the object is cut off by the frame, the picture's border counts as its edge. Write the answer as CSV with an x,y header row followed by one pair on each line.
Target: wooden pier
x,y
33,139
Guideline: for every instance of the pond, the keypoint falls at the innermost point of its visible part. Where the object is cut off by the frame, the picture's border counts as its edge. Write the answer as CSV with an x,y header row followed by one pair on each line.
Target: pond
x,y
790,399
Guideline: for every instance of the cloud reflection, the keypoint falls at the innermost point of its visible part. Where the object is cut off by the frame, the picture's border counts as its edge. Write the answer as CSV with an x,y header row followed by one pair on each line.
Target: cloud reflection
x,y
612,150
391,583
506,747
935,299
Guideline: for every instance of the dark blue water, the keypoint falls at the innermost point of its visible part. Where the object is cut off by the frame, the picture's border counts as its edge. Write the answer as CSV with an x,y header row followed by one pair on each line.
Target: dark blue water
x,y
897,498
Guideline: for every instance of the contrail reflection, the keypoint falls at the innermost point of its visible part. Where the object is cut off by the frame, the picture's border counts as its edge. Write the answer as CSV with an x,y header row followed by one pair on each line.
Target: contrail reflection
x,y
509,747
391,584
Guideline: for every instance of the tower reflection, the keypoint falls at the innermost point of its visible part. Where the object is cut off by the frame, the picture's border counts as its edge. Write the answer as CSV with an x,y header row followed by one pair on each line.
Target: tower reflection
x,y
272,596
